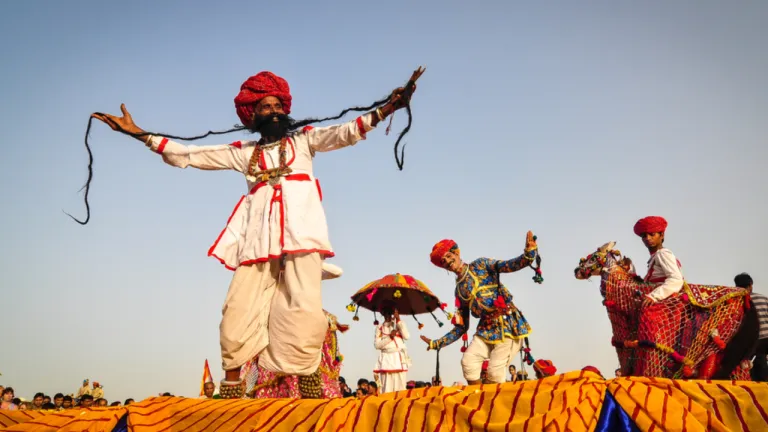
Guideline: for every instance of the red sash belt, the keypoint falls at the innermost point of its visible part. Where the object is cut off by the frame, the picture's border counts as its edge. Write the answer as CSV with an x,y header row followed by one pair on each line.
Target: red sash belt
x,y
291,177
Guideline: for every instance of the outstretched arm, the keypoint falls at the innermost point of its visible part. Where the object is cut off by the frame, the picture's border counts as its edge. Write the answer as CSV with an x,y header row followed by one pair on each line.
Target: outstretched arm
x,y
455,333
324,139
515,264
216,157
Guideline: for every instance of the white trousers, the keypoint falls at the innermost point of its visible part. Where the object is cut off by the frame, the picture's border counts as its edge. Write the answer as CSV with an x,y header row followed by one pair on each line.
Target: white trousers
x,y
392,382
280,321
499,356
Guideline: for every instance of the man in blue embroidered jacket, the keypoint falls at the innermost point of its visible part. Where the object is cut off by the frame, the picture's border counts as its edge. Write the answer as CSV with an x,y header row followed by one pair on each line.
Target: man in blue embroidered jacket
x,y
478,291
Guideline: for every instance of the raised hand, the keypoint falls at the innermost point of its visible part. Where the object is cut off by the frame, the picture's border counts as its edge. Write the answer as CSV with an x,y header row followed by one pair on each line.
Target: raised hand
x,y
530,241
123,124
402,96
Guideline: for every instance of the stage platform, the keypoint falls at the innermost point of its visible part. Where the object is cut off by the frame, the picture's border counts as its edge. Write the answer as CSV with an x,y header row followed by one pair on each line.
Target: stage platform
x,y
575,401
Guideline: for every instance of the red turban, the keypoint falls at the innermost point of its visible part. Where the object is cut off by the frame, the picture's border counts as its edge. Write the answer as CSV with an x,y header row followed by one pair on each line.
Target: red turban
x,y
440,249
258,87
650,224
545,367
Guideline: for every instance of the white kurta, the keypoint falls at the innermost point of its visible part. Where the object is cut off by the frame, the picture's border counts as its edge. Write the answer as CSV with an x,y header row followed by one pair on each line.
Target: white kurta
x,y
270,220
664,267
392,363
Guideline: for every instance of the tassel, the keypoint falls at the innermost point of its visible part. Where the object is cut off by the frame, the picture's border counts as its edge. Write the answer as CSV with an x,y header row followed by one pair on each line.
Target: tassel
x,y
439,323
355,318
375,320
417,322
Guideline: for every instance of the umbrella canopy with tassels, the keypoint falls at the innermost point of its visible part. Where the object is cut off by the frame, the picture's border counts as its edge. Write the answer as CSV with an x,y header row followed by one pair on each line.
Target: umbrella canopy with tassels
x,y
407,294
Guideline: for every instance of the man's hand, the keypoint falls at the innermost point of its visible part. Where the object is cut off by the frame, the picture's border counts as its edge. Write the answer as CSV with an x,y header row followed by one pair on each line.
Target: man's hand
x,y
402,96
426,340
396,315
121,124
399,98
530,241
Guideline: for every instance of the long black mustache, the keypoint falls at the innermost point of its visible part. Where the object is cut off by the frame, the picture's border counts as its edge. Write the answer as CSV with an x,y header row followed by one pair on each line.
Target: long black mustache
x,y
267,126
294,126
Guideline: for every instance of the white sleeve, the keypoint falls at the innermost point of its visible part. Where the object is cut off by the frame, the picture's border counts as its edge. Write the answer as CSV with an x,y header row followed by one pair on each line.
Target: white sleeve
x,y
214,157
403,330
381,341
324,139
674,277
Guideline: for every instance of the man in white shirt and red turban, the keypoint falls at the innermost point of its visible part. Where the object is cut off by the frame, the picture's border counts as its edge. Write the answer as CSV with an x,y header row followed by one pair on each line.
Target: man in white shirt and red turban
x,y
662,310
278,225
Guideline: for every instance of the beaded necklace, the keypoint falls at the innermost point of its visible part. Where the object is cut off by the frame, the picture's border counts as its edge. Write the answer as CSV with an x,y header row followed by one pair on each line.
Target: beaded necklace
x,y
271,175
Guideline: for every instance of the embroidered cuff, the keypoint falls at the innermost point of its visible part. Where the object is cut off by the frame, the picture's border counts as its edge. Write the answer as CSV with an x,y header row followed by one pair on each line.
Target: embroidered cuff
x,y
157,144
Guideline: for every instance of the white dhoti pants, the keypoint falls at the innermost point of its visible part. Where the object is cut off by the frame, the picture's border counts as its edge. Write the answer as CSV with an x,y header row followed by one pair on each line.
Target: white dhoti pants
x,y
499,356
392,382
280,321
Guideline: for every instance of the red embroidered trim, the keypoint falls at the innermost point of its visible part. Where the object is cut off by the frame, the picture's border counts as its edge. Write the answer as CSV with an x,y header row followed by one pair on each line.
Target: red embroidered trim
x,y
319,190
161,147
360,126
276,197
292,177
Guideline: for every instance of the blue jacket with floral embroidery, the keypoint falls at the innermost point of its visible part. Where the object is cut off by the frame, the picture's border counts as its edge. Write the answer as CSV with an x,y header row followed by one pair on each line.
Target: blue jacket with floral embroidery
x,y
480,292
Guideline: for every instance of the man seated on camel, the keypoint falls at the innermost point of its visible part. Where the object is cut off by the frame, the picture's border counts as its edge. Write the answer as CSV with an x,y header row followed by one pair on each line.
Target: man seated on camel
x,y
656,314
480,292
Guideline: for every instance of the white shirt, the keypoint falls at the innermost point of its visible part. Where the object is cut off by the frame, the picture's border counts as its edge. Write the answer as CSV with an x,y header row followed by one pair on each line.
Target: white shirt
x,y
664,267
393,356
270,221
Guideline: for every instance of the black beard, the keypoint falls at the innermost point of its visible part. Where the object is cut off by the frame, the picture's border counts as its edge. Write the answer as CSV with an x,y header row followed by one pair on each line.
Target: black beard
x,y
266,126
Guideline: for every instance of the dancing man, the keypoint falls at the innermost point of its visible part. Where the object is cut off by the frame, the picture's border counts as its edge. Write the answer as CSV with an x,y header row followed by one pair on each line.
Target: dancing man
x,y
392,364
281,217
661,310
479,291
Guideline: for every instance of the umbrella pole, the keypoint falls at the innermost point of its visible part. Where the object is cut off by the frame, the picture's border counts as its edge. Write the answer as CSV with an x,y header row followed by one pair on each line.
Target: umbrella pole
x,y
437,365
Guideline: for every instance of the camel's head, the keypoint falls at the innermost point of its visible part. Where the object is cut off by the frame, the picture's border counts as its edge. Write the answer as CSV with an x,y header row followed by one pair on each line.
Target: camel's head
x,y
603,259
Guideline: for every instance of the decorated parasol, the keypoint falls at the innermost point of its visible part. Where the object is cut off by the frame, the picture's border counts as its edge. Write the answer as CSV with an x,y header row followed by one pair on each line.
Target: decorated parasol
x,y
405,293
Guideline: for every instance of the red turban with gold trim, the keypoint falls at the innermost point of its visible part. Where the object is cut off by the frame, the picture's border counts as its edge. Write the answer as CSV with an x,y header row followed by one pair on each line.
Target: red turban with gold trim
x,y
440,249
258,87
650,224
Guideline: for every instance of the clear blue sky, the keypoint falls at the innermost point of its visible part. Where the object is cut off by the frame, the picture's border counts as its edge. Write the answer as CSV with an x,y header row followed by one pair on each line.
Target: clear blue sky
x,y
569,120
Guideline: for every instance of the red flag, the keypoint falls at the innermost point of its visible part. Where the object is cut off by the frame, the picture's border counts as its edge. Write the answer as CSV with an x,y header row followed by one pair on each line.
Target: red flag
x,y
206,377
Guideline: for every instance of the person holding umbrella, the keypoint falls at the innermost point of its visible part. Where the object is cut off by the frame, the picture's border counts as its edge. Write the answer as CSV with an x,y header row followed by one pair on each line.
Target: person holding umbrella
x,y
393,361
